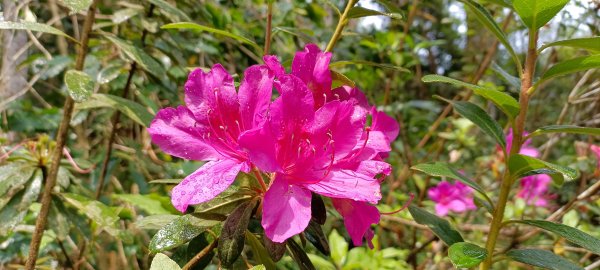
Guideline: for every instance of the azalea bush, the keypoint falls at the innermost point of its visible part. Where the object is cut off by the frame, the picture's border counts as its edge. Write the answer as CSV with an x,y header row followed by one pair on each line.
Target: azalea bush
x,y
300,135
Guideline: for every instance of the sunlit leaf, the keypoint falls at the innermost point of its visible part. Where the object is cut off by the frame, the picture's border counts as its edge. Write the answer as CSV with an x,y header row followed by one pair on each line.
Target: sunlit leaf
x,y
571,66
134,111
33,26
565,129
79,85
438,226
174,14
144,60
466,255
77,5
574,235
202,28
541,258
359,12
521,165
536,13
163,262
591,43
178,232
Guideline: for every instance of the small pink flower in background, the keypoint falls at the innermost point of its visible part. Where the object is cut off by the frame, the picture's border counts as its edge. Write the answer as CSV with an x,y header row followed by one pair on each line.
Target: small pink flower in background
x,y
456,197
526,148
534,190
596,150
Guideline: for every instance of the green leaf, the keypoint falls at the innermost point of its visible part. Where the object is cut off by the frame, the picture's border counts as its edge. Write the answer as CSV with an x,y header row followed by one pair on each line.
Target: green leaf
x,y
275,250
155,222
513,81
178,232
144,202
134,111
13,177
225,202
565,129
576,236
174,14
504,3
13,213
305,35
260,253
202,28
440,169
591,43
144,60
314,234
300,255
77,5
231,241
485,18
536,13
438,226
105,217
571,66
163,262
466,255
339,247
480,118
340,79
521,165
259,267
359,12
505,102
79,85
541,258
33,26
368,63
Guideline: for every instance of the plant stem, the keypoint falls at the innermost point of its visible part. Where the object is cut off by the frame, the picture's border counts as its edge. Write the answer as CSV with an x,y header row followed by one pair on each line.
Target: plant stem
x,y
340,26
519,126
260,179
61,137
200,255
269,27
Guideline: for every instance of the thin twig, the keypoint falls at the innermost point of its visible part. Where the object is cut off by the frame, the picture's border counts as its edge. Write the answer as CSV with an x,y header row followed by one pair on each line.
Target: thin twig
x,y
200,255
269,27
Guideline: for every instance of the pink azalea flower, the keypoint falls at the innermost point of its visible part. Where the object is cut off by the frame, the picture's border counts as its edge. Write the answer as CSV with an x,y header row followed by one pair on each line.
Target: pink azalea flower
x,y
310,150
526,148
208,127
456,197
596,150
534,188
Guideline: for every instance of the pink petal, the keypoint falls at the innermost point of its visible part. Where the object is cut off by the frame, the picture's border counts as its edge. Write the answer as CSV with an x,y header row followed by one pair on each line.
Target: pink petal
x,y
255,94
175,132
352,94
260,145
312,66
358,217
286,210
205,183
441,210
346,184
274,65
457,206
529,151
293,108
385,124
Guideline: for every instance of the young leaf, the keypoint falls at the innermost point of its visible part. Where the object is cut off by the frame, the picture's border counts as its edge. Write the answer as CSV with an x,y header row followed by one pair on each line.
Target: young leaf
x,y
521,165
565,129
33,26
134,111
571,66
260,253
275,250
480,118
144,60
14,212
155,222
536,13
541,258
79,85
440,169
466,255
438,226
104,216
485,18
359,12
202,28
314,234
576,236
339,248
591,43
259,267
174,14
505,102
231,241
178,232
163,262
299,255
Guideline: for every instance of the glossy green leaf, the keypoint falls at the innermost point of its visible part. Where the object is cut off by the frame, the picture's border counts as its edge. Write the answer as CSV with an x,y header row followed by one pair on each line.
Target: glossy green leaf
x,y
359,12
541,258
514,82
33,26
438,226
521,165
591,43
225,202
339,247
163,262
79,85
77,5
481,119
536,13
314,234
105,217
260,253
466,255
13,177
565,129
14,212
143,60
440,169
571,66
173,13
571,234
299,255
155,222
485,18
178,232
134,111
505,102
231,241
144,202
202,28
368,63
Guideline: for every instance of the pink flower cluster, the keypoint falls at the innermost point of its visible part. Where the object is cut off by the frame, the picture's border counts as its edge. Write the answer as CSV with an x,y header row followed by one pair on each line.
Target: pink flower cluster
x,y
311,138
456,197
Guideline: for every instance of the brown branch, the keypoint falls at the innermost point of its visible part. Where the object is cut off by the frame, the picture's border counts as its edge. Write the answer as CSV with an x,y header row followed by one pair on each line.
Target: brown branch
x,y
200,255
61,137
